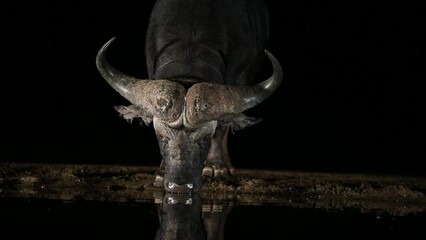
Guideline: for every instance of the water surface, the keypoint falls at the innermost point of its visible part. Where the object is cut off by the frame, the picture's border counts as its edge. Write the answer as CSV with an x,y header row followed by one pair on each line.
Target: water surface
x,y
185,217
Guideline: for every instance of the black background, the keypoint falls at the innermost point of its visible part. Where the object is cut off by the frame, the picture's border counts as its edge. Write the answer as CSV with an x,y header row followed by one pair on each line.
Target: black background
x,y
352,99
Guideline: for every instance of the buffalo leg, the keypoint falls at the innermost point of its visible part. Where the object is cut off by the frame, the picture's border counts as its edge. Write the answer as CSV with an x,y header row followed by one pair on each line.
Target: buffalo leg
x,y
158,182
218,162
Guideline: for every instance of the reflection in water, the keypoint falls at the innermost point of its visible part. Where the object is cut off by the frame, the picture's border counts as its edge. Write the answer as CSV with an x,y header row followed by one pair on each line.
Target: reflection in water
x,y
183,216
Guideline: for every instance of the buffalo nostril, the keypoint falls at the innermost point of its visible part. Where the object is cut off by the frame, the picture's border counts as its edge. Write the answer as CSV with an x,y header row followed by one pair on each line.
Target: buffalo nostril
x,y
172,185
179,199
179,188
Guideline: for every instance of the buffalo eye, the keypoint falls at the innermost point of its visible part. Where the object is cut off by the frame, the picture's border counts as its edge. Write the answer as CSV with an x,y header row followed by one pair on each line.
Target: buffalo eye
x,y
207,137
159,136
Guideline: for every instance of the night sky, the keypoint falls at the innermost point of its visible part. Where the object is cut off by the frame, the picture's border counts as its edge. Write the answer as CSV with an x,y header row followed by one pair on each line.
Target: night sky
x,y
352,99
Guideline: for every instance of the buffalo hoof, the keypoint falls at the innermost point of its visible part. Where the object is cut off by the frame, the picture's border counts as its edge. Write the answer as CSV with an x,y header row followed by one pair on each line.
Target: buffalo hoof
x,y
208,172
159,181
214,172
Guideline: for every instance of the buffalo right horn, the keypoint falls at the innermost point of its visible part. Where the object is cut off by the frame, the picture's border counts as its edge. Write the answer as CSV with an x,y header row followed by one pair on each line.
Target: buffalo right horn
x,y
209,101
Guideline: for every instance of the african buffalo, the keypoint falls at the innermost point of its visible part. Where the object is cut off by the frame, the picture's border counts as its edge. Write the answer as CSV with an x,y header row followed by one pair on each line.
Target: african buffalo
x,y
202,58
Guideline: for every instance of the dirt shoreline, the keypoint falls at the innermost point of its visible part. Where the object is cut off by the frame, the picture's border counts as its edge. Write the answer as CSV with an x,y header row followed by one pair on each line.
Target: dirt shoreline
x,y
395,195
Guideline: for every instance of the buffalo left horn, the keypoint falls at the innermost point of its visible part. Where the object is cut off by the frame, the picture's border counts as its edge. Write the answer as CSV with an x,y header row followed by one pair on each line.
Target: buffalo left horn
x,y
160,98
209,101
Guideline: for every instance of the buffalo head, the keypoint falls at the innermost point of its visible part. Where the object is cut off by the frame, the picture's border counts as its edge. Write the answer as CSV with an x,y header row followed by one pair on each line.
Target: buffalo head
x,y
185,120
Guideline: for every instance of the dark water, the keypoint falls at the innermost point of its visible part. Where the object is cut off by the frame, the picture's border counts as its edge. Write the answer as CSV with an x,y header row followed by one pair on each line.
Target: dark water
x,y
180,217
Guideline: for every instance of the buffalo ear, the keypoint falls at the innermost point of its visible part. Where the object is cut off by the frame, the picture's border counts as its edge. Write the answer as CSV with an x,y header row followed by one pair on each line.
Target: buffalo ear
x,y
131,112
238,121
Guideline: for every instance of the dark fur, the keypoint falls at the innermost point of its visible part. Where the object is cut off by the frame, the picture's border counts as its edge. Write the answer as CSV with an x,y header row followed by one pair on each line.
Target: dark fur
x,y
219,41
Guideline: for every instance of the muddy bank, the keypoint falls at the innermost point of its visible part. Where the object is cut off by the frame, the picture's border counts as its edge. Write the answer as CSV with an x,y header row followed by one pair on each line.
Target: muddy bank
x,y
396,195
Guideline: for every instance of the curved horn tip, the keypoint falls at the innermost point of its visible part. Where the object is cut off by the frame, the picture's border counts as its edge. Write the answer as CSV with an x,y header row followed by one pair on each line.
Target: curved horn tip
x,y
110,41
105,46
275,64
270,56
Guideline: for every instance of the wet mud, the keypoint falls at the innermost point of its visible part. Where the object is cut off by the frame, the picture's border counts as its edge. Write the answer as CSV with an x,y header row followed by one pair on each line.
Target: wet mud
x,y
392,194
